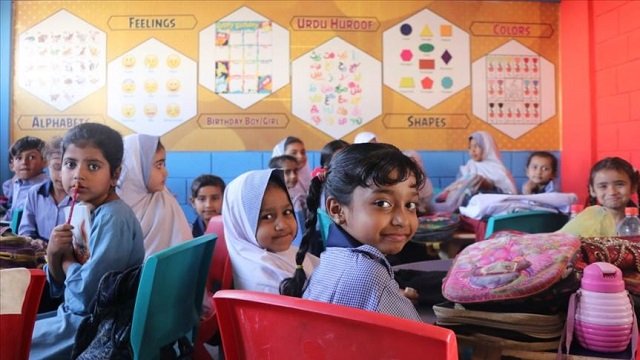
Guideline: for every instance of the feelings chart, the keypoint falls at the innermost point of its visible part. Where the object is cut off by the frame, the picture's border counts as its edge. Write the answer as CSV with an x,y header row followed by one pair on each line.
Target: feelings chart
x,y
426,58
513,89
152,88
336,87
62,60
243,58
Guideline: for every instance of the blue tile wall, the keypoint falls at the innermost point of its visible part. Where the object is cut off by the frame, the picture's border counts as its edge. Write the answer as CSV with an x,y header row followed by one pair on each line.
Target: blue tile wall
x,y
442,167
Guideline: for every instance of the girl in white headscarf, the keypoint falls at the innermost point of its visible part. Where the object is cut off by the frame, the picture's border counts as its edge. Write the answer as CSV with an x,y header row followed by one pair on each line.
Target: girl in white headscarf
x,y
486,162
365,137
142,186
259,226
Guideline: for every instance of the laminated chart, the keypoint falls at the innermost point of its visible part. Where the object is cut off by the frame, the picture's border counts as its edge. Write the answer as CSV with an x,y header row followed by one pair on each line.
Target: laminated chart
x,y
152,88
513,89
336,88
244,57
62,60
426,58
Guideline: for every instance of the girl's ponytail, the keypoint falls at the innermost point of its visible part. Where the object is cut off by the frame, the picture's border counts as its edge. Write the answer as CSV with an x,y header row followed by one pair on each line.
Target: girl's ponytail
x,y
294,285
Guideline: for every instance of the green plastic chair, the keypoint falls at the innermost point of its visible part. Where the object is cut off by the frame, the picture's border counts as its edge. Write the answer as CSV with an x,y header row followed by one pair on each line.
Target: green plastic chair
x,y
169,300
16,217
532,222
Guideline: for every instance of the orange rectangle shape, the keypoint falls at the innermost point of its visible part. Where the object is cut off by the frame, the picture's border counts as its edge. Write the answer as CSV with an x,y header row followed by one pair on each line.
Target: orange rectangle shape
x,y
427,64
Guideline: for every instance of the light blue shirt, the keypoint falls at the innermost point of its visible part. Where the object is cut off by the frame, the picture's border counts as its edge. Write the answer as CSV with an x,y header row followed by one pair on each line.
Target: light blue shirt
x,y
359,277
19,189
41,213
115,244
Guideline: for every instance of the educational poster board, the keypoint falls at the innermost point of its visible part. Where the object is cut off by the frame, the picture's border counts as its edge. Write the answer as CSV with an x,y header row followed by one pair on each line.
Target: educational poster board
x,y
231,75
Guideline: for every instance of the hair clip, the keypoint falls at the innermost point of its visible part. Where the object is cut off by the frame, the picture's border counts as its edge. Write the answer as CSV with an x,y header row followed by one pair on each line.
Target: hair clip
x,y
320,173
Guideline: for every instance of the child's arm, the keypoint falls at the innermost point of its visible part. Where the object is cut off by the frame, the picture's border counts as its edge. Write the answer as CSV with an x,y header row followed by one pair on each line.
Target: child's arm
x,y
60,252
528,187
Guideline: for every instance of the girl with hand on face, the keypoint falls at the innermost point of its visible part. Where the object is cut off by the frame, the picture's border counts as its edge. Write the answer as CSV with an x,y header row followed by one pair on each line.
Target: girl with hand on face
x,y
259,237
91,159
372,197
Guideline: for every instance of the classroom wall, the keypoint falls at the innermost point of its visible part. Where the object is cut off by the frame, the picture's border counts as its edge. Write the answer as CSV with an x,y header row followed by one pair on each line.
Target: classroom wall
x,y
600,92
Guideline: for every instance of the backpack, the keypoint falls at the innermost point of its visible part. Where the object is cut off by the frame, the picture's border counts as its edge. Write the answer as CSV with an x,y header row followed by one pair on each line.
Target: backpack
x,y
19,251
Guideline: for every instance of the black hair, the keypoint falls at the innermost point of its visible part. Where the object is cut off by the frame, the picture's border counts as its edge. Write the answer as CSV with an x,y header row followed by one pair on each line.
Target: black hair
x,y
545,154
206,180
54,147
104,138
329,149
26,143
358,165
617,164
160,146
291,140
278,161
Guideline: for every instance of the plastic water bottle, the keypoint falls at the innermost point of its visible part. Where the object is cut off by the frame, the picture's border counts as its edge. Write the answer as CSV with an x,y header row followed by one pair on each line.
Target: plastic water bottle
x,y
630,226
604,316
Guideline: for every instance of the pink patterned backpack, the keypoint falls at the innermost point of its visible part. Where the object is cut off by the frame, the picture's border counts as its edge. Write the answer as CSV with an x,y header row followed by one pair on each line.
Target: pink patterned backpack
x,y
510,266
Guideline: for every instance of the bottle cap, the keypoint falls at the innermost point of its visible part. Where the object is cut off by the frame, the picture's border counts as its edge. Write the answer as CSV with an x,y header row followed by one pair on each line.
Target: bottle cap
x,y
602,277
631,211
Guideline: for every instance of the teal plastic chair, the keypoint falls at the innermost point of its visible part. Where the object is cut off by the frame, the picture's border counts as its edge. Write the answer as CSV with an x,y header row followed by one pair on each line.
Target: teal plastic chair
x,y
170,294
16,217
324,221
531,222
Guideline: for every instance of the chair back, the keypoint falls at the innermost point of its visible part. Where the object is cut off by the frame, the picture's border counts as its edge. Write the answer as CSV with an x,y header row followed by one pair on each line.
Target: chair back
x,y
220,271
282,327
169,300
324,221
16,217
532,222
20,292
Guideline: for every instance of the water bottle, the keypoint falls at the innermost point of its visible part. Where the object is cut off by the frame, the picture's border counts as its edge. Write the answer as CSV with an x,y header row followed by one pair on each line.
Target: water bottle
x,y
630,225
604,315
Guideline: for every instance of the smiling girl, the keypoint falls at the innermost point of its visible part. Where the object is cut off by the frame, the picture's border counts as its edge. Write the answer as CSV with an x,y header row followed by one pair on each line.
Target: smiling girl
x,y
259,238
372,198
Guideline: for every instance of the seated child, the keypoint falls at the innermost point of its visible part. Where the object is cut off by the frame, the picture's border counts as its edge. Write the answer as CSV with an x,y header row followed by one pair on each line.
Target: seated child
x,y
259,237
484,172
206,199
426,191
612,183
45,204
542,167
289,166
91,158
293,146
142,186
372,198
28,165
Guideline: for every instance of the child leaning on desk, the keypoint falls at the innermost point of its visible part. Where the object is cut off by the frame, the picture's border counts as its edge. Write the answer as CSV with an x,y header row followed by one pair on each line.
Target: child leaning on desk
x,y
372,197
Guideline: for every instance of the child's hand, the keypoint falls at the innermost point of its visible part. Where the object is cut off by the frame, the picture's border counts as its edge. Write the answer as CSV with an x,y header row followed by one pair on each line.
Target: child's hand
x,y
60,241
528,187
411,294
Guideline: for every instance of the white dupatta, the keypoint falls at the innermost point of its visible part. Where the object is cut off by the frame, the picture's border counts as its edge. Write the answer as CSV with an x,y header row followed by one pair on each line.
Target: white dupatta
x,y
162,220
491,166
254,268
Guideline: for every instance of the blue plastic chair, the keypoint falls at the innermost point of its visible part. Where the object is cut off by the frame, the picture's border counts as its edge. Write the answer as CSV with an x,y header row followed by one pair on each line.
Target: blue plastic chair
x,y
16,217
532,222
170,294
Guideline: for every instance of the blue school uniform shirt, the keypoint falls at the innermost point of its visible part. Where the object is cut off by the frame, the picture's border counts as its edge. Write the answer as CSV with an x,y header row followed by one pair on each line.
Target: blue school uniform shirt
x,y
41,213
115,244
18,192
359,277
198,228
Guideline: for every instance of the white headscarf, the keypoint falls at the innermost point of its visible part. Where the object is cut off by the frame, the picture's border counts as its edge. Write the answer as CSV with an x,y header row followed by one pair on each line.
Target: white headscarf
x,y
304,174
163,221
364,137
491,166
254,268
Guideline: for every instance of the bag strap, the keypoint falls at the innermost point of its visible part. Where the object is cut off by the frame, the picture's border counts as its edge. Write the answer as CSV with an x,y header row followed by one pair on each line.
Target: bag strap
x,y
634,331
567,334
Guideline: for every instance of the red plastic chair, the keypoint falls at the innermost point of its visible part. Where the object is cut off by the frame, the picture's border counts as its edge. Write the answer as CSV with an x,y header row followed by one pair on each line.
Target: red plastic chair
x,y
255,325
220,277
20,292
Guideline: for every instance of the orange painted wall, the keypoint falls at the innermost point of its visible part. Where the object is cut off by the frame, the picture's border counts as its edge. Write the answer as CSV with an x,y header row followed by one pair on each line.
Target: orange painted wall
x,y
600,77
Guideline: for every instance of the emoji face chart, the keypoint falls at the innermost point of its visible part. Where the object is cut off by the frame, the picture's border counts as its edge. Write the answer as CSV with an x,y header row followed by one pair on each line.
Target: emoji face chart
x,y
158,83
